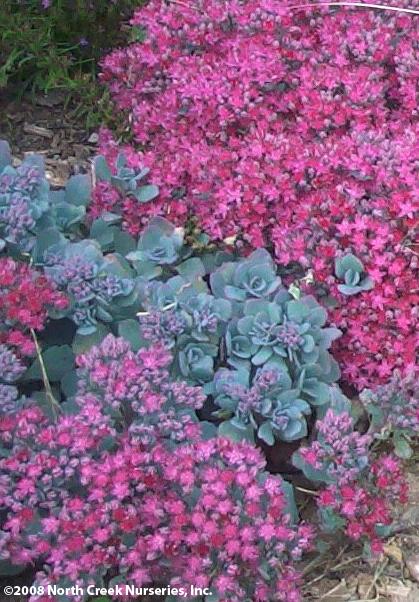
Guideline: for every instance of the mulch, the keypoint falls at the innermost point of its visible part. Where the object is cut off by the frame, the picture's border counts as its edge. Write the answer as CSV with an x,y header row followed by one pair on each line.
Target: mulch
x,y
47,127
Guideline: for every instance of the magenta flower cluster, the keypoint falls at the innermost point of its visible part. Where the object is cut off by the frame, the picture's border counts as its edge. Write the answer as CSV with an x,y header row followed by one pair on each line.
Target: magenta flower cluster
x,y
88,495
339,450
26,296
291,128
361,492
136,390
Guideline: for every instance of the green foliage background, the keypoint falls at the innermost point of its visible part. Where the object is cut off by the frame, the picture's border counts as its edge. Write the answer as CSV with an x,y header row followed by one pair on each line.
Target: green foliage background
x,y
44,49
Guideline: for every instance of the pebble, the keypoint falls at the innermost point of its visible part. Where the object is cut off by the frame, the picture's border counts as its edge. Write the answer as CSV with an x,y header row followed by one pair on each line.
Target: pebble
x,y
93,138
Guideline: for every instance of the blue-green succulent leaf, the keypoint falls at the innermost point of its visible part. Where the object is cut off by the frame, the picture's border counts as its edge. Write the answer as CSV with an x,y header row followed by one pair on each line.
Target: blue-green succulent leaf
x,y
146,193
78,190
232,431
101,169
191,269
265,433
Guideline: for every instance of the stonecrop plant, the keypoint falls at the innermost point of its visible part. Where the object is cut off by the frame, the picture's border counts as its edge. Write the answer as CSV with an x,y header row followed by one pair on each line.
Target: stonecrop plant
x,y
197,302
31,214
26,298
293,129
125,489
394,411
26,295
261,354
136,390
359,493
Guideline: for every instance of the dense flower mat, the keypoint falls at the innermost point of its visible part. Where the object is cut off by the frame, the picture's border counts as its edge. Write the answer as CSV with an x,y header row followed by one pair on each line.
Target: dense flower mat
x,y
295,129
229,282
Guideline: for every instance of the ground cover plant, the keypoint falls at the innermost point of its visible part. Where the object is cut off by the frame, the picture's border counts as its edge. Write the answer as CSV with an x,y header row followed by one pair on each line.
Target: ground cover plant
x,y
293,129
198,314
216,353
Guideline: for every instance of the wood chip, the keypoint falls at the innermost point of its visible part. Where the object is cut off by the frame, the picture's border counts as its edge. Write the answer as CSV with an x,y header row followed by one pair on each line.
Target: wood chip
x,y
37,130
51,99
394,552
365,585
403,593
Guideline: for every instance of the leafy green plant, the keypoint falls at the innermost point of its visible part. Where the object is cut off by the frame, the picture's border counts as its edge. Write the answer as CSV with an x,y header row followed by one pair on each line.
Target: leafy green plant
x,y
47,45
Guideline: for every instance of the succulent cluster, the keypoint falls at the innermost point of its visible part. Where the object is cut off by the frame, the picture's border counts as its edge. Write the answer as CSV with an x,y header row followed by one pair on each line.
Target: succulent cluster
x,y
339,453
219,336
29,210
112,490
23,200
96,285
351,271
122,190
140,460
136,390
394,411
359,493
126,180
260,353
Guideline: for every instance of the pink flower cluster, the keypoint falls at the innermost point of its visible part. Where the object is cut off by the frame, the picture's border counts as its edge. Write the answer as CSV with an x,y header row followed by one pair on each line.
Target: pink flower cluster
x,y
339,449
137,391
367,506
362,493
25,297
295,129
86,499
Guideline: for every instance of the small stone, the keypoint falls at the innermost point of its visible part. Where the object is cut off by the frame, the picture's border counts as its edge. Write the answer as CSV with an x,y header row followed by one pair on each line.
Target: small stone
x,y
93,138
412,564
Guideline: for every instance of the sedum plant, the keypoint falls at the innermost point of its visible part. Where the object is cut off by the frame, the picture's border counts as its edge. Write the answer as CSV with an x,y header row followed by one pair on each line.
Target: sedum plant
x,y
269,405
226,320
121,489
351,271
29,208
358,492
136,391
261,355
222,93
127,181
84,262
254,278
394,411
97,286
